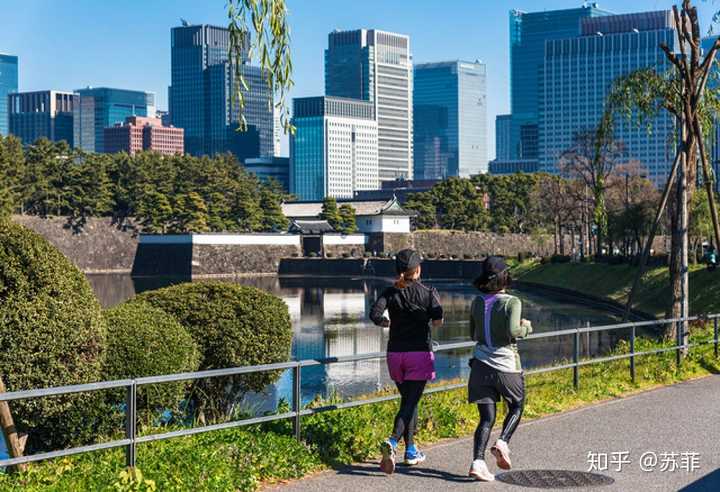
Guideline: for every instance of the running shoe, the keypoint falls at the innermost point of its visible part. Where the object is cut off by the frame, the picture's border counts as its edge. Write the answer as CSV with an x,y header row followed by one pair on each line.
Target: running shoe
x,y
387,463
479,471
501,451
414,457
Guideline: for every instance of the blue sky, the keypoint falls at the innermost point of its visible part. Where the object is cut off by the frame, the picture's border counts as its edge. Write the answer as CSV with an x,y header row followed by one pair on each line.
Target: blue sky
x,y
70,44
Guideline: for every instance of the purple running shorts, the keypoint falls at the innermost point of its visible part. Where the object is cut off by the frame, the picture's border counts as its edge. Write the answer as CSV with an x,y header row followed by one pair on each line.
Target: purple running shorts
x,y
411,366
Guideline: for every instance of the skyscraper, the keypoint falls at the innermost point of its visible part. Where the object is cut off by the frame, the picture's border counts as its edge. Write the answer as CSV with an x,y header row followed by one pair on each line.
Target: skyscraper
x,y
334,151
376,66
8,85
528,34
449,119
578,74
98,108
502,137
47,114
202,95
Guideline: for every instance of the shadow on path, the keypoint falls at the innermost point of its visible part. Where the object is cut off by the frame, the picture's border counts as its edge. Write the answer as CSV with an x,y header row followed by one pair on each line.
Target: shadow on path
x,y
371,470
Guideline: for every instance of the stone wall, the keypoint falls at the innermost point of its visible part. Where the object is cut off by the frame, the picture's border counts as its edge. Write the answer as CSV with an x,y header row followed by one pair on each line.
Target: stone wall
x,y
222,259
475,244
101,247
389,242
338,250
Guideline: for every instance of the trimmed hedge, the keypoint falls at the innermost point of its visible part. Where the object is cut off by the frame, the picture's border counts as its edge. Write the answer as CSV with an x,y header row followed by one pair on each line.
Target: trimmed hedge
x,y
233,325
146,341
51,334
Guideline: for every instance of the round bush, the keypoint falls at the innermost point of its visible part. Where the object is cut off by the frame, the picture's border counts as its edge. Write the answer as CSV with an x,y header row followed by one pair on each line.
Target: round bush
x,y
51,334
146,341
234,326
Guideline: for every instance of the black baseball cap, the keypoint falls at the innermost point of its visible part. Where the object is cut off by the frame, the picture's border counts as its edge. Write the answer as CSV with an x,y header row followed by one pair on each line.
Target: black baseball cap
x,y
407,259
492,266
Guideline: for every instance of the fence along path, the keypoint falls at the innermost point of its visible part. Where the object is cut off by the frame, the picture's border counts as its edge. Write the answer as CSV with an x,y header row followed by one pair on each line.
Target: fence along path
x,y
132,439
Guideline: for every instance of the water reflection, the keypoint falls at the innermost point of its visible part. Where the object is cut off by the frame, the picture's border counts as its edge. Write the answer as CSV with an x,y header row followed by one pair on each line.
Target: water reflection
x,y
329,317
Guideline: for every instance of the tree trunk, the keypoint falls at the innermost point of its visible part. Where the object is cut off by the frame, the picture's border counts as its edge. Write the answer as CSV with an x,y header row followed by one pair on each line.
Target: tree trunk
x,y
673,310
15,443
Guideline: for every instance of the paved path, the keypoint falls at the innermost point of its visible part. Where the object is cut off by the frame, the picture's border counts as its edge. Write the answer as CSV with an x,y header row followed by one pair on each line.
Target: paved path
x,y
681,418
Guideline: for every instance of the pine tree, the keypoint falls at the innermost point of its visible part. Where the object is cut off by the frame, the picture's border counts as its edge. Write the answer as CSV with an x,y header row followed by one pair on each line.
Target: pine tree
x,y
348,225
330,213
273,218
154,212
191,213
12,170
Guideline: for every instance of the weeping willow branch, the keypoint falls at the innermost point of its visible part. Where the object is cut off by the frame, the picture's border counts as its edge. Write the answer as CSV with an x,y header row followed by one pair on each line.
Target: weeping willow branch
x,y
259,31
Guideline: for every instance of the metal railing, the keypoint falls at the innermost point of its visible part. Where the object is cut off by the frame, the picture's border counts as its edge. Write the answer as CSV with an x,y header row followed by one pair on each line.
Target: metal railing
x,y
131,439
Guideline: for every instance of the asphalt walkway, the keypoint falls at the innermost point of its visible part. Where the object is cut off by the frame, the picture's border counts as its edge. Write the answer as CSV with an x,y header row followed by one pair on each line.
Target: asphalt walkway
x,y
665,439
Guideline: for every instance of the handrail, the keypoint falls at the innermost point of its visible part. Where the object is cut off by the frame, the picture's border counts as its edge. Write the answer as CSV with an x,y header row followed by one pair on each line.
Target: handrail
x,y
131,439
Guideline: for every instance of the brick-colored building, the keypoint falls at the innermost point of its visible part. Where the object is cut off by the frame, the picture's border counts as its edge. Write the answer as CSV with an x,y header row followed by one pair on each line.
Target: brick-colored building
x,y
139,133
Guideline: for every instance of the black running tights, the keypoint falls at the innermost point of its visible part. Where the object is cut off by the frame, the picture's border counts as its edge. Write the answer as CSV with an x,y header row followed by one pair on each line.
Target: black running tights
x,y
406,418
487,420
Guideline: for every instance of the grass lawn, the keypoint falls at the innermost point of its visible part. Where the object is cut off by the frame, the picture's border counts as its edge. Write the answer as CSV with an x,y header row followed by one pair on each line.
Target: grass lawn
x,y
615,281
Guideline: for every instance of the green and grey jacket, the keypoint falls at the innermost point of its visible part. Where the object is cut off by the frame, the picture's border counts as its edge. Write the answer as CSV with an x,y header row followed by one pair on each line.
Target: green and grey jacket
x,y
495,326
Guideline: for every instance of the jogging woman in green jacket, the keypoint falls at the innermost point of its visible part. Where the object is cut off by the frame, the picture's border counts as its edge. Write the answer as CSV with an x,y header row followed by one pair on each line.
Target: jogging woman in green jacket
x,y
495,324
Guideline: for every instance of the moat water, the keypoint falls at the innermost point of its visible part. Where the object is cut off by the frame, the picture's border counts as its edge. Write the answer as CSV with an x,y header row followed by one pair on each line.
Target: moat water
x,y
330,319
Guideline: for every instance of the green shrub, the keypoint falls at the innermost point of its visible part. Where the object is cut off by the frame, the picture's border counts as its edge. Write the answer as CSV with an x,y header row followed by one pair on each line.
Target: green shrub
x,y
51,334
234,326
146,341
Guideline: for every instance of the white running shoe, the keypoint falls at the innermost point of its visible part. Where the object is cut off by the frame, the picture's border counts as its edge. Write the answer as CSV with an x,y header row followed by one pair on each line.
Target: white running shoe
x,y
387,463
479,471
501,451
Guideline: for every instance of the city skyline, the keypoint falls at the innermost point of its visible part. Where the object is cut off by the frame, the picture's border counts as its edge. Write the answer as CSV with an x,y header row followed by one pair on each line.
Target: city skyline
x,y
94,55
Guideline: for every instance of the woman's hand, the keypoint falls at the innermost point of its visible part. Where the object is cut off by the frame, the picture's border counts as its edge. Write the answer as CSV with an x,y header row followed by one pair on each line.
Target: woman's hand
x,y
526,324
385,323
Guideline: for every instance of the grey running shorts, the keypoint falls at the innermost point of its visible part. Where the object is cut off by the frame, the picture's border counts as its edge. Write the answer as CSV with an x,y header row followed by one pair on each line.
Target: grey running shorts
x,y
488,385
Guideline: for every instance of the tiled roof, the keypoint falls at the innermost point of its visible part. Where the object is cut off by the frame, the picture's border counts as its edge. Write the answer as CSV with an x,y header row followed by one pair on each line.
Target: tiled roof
x,y
362,208
310,226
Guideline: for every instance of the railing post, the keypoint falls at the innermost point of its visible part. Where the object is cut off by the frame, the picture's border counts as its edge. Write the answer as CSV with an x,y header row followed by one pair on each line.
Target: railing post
x,y
632,354
131,424
576,358
297,399
715,324
678,343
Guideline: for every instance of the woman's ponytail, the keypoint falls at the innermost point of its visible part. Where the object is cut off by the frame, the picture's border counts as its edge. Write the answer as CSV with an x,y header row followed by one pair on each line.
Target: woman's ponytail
x,y
406,278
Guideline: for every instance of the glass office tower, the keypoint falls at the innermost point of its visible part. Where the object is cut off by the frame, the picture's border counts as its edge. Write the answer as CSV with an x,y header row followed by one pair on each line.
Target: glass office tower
x,y
502,137
42,114
578,74
98,108
8,85
528,34
334,151
376,66
449,119
202,96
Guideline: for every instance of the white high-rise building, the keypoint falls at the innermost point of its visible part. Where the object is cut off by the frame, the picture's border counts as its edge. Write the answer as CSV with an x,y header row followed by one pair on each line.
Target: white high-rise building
x,y
334,151
376,66
277,133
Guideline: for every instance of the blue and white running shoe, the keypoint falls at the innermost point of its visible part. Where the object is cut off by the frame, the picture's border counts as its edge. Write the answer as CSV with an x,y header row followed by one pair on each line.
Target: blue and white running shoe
x,y
414,457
